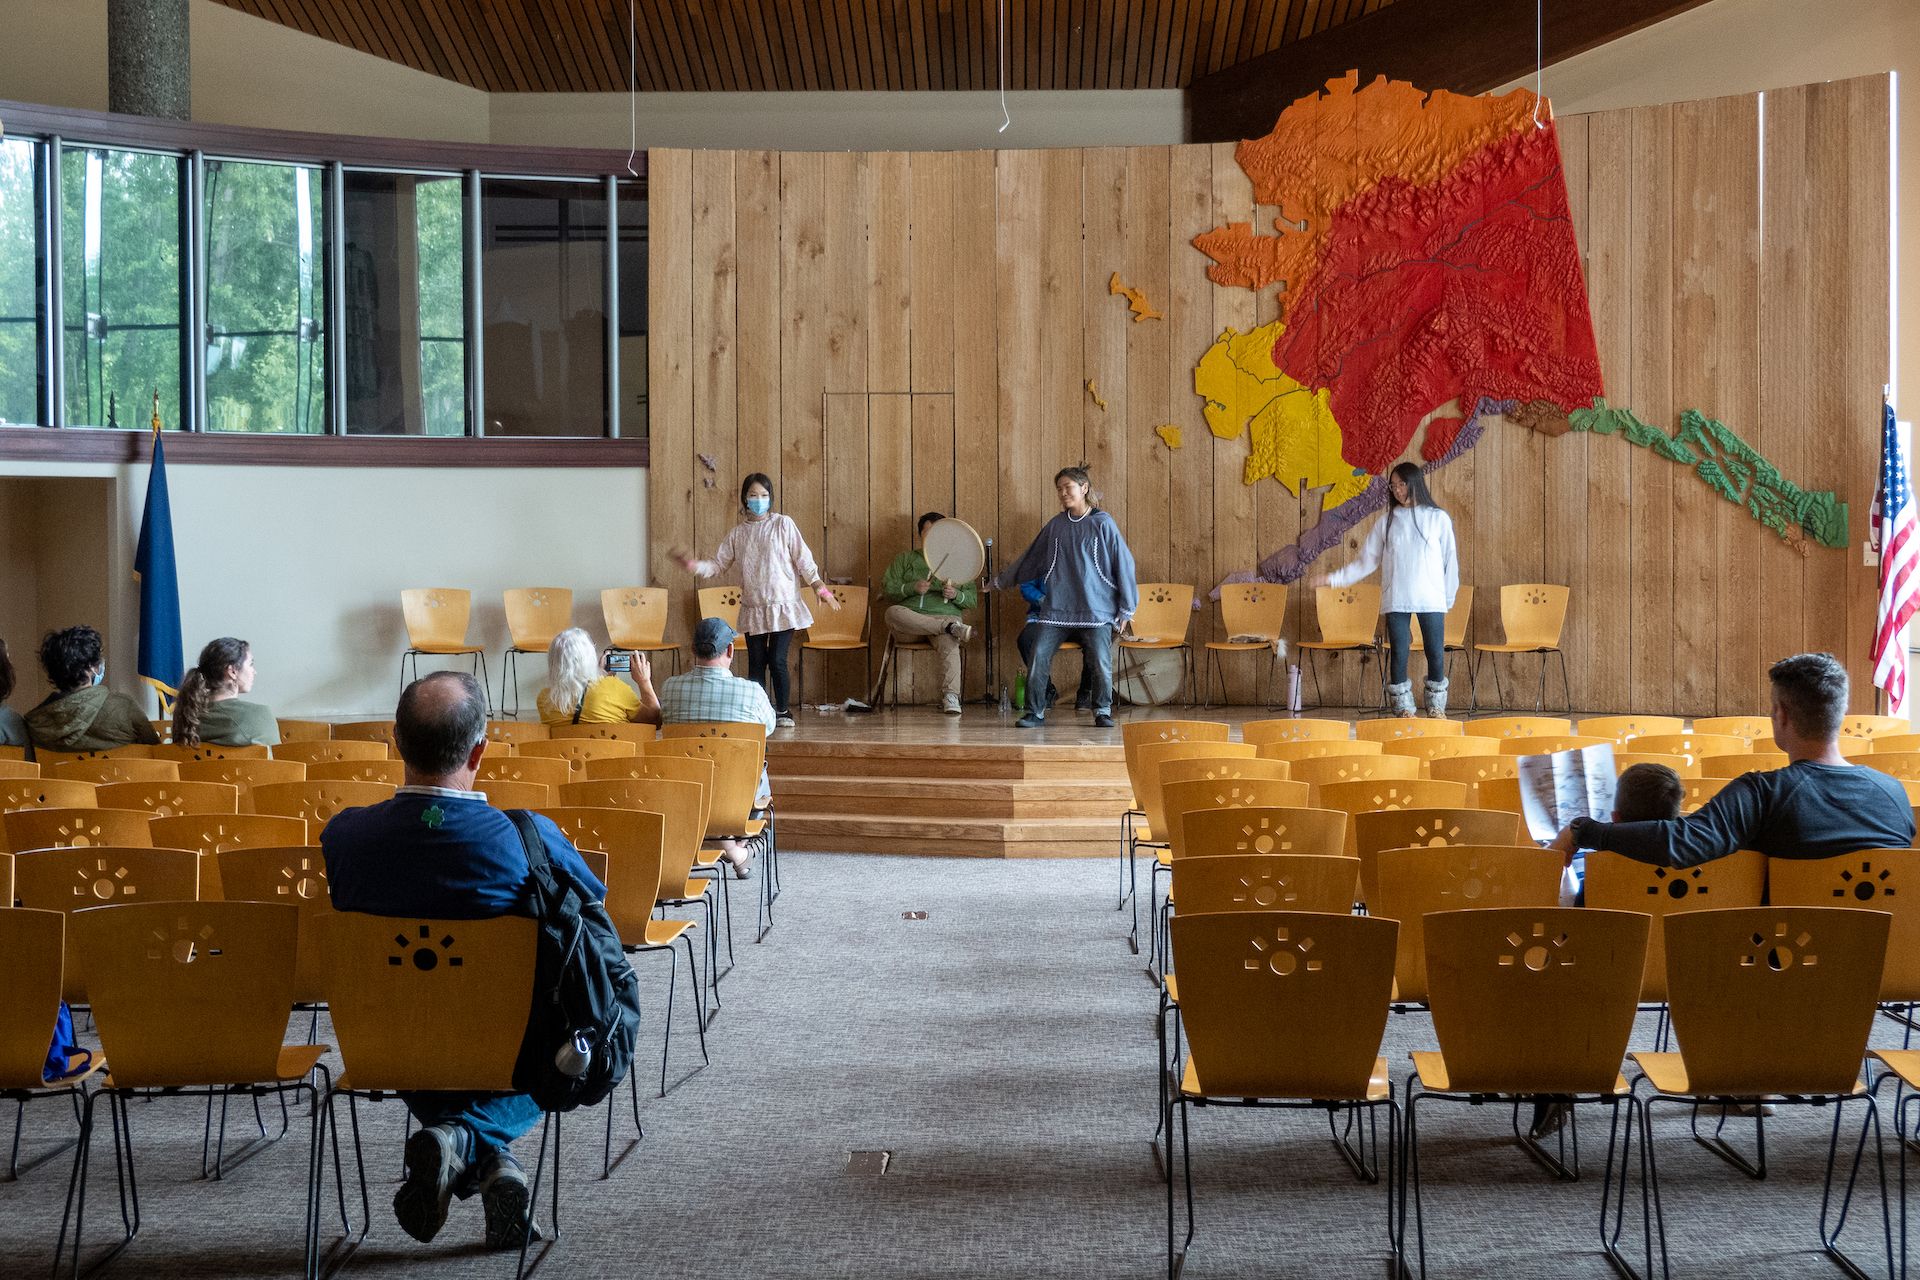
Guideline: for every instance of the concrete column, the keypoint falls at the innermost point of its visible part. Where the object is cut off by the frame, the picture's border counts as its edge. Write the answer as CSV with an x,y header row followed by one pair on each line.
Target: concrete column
x,y
149,71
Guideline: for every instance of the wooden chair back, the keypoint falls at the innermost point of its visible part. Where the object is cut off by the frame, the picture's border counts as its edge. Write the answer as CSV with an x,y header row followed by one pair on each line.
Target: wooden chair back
x,y
1732,766
1700,790
1625,760
846,624
535,615
209,834
1284,1004
1519,727
1473,769
293,875
1293,729
1904,765
1750,728
1774,999
1547,744
69,880
1322,770
170,799
317,802
32,955
304,730
1348,616
333,750
1382,829
636,617
1622,730
189,993
46,793
367,731
1693,746
1254,609
436,618
575,751
625,833
1146,773
515,731
461,986
1367,794
746,730
1532,613
680,768
1243,768
29,829
1867,726
14,769
548,771
1165,614
1412,884
48,758
390,773
720,602
1265,882
1871,880
1178,799
1213,833
635,733
182,754
245,774
678,803
1294,750
102,769
1534,1000
503,793
1442,748
1396,728
1453,633
737,765
1893,742
1615,883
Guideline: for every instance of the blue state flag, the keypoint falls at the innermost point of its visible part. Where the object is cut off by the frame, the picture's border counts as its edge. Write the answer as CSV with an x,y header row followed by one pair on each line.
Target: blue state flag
x,y
161,660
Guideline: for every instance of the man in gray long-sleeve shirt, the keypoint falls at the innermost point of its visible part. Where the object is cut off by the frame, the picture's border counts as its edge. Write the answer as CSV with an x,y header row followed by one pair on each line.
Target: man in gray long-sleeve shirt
x,y
1818,806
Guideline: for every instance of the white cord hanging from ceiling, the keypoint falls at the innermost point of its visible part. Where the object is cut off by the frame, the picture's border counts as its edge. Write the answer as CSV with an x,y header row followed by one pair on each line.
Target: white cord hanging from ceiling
x,y
1539,27
1000,28
633,94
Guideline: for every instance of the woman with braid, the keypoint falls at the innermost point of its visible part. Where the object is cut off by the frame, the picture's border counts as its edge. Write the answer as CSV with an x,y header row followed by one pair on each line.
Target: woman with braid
x,y
211,707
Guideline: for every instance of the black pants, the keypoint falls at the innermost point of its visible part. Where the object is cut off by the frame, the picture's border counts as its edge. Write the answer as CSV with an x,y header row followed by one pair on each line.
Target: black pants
x,y
767,655
1433,634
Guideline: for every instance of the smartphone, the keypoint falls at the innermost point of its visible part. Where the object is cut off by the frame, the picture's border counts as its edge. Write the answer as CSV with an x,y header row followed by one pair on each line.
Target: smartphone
x,y
618,660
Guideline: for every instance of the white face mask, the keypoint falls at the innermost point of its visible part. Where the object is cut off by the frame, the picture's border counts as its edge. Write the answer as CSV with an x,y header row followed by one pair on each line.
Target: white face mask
x,y
100,676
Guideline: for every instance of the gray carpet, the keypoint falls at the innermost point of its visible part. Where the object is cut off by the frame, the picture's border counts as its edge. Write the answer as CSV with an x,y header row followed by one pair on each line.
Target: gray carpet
x,y
1002,1051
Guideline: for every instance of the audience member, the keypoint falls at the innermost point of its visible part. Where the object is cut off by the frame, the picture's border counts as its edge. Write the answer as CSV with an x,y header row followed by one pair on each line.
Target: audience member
x,y
578,692
13,730
1821,804
1648,793
82,714
710,691
438,849
928,608
211,707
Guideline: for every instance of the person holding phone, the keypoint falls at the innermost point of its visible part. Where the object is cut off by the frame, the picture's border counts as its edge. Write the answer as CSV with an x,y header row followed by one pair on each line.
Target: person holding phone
x,y
579,692
774,561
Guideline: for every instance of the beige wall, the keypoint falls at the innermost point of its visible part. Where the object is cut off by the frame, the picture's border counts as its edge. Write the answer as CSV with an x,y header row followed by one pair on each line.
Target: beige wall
x,y
246,70
1740,46
308,564
841,121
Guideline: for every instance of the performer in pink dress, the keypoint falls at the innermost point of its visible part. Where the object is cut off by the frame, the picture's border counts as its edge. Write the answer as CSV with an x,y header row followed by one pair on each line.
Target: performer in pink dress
x,y
774,563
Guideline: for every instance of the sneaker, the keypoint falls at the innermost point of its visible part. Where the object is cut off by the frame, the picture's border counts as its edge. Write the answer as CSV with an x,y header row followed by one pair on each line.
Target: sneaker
x,y
1029,721
433,1163
951,704
1102,721
960,631
507,1201
1548,1118
1083,703
783,721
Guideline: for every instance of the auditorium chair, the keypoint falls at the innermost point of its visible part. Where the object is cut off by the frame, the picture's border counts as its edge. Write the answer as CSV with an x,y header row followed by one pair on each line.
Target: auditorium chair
x,y
1752,728
367,731
245,774
1297,749
75,879
505,793
391,772
1694,746
105,769
1732,766
1321,770
1160,622
48,759
1472,769
170,799
33,956
1519,727
1527,1003
636,619
183,754
1700,790
1624,760
29,829
1874,726
723,603
575,751
304,730
1532,615
296,876
436,619
1410,885
1151,829
738,763
1393,728
1253,616
1362,795
1769,1004
548,771
317,802
1622,730
10,768
332,750
1897,764
535,615
836,631
622,731
514,732
1133,735
1349,620
1442,748
1293,1032
211,834
1380,829
1294,729
1547,744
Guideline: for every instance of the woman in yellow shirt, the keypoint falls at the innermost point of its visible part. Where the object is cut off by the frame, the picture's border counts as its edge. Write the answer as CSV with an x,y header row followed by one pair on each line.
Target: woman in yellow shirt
x,y
578,692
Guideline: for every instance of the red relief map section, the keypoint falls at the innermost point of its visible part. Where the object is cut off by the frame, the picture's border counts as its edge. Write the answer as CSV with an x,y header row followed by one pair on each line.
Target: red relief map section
x,y
1465,288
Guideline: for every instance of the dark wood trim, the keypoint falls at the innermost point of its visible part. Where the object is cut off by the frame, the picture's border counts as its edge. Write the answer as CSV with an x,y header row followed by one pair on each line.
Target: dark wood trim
x,y
95,444
1468,46
319,148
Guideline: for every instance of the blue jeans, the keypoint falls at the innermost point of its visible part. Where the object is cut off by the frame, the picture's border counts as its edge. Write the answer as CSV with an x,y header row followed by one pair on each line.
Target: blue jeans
x,y
1028,637
1433,635
1096,651
492,1121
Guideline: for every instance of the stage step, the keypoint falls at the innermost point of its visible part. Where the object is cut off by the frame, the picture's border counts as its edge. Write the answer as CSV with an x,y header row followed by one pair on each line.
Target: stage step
x,y
870,759
971,838
949,797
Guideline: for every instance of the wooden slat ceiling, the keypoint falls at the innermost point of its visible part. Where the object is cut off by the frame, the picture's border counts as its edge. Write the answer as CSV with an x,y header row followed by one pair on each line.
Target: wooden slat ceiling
x,y
535,46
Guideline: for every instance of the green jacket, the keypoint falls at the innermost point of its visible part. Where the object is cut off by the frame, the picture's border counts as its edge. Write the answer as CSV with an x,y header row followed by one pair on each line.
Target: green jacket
x,y
235,722
89,719
908,568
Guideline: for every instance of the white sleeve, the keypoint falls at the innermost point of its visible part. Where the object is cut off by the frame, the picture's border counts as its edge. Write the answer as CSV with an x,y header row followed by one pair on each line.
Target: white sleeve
x,y
1449,550
1367,561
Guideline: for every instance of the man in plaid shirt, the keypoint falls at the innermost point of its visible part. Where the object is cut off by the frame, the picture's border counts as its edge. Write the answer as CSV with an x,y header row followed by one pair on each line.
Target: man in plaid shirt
x,y
710,691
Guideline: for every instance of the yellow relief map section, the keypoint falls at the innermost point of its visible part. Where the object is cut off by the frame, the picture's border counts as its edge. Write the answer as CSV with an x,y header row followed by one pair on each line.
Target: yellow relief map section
x,y
1291,432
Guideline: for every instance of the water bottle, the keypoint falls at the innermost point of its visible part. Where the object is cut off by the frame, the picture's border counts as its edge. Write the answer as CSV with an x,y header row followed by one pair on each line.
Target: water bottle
x,y
574,1056
1006,703
1293,690
1020,690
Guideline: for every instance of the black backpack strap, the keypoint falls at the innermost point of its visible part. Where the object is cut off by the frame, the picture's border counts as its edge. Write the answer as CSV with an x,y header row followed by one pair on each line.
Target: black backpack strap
x,y
546,883
582,707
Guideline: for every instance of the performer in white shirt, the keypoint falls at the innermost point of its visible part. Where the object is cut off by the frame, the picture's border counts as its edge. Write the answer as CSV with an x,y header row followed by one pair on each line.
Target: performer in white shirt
x,y
1412,547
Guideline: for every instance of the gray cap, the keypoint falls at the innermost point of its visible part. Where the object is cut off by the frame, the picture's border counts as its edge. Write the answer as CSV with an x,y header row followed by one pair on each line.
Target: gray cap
x,y
711,637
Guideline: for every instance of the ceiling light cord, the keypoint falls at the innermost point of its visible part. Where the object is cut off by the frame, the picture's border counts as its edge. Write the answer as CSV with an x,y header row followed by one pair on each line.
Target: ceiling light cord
x,y
633,94
1539,29
1006,117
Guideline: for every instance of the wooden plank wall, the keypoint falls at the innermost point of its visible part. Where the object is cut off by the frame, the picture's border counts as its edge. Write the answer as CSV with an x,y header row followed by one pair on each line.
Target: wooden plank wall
x,y
890,333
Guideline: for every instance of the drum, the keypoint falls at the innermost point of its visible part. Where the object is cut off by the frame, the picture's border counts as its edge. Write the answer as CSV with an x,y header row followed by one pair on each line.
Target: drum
x,y
1147,677
954,551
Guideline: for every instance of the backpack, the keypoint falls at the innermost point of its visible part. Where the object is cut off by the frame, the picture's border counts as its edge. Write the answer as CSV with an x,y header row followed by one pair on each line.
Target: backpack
x,y
65,1047
585,1016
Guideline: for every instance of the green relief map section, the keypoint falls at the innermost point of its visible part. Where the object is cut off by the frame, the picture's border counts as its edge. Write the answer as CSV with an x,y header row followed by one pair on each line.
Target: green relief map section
x,y
1291,432
1731,467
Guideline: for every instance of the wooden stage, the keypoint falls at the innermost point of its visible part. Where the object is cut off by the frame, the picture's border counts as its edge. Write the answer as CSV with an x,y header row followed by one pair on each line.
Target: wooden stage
x,y
917,781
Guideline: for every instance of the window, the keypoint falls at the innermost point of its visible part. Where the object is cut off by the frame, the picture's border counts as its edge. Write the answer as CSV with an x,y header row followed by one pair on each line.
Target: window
x,y
21,252
543,289
120,287
633,310
406,304
266,255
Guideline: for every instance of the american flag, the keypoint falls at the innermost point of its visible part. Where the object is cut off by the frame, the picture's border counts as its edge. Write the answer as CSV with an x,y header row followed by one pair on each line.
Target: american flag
x,y
1895,535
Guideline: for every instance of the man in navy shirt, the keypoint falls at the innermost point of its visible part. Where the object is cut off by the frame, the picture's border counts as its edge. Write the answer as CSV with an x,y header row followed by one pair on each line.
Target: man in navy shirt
x,y
439,850
1820,805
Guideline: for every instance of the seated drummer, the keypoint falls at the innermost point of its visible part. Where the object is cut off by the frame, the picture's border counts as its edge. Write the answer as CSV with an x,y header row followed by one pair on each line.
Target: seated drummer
x,y
927,608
